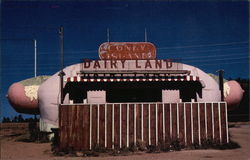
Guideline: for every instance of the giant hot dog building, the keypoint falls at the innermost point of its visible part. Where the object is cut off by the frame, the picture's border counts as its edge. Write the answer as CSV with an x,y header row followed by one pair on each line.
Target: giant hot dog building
x,y
126,73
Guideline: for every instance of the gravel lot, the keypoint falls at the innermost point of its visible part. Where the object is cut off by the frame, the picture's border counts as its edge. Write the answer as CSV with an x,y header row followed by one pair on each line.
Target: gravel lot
x,y
240,133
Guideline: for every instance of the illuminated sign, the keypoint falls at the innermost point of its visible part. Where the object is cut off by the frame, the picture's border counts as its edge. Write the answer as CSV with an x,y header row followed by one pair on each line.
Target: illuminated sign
x,y
127,50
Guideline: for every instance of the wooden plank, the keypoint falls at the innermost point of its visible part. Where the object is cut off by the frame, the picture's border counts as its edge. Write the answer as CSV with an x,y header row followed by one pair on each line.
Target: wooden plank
x,y
70,128
63,127
124,125
153,122
209,121
78,128
60,126
67,127
85,127
167,123
138,122
74,127
145,123
65,134
216,123
109,125
223,123
181,124
131,124
195,123
102,125
94,125
188,124
81,132
174,121
74,124
202,122
160,123
117,126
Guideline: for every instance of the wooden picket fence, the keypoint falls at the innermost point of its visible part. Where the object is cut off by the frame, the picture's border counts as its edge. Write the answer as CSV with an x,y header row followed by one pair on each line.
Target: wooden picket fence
x,y
118,125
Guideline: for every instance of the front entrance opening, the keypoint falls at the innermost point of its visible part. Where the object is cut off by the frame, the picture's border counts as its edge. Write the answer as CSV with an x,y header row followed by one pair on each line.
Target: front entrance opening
x,y
138,94
122,92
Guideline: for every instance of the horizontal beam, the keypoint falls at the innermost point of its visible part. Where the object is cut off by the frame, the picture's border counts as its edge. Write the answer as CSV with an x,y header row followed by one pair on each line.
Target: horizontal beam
x,y
135,72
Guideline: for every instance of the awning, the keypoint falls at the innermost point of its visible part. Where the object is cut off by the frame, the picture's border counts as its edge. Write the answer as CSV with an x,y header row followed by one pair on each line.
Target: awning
x,y
132,79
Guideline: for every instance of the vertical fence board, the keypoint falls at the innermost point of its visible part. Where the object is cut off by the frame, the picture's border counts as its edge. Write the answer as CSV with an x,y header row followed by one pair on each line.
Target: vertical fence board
x,y
209,121
109,126
202,121
181,124
67,128
131,124
94,125
138,122
70,142
195,123
78,128
188,123
152,124
102,125
124,125
167,122
223,123
216,123
117,125
145,123
85,124
81,115
160,123
63,126
174,121
75,124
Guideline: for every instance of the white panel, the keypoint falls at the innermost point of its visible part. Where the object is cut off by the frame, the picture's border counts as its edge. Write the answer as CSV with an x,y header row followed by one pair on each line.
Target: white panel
x,y
170,96
96,96
66,99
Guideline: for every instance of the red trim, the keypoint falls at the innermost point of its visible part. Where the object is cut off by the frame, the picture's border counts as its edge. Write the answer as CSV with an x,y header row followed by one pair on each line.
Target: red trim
x,y
191,78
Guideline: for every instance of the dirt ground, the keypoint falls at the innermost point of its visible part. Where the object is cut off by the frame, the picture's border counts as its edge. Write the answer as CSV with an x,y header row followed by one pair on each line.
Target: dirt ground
x,y
12,149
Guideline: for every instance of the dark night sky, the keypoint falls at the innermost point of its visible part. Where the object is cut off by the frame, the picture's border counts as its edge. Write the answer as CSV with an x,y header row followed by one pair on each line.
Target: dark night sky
x,y
208,35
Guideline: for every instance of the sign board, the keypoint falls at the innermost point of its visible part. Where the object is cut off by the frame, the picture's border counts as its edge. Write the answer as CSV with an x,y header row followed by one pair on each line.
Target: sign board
x,y
126,65
127,51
